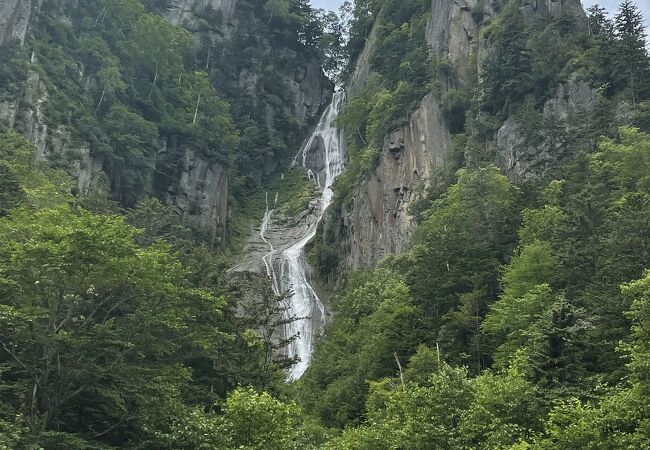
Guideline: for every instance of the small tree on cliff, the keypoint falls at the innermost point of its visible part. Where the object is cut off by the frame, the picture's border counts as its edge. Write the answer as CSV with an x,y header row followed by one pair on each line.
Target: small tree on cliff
x,y
632,63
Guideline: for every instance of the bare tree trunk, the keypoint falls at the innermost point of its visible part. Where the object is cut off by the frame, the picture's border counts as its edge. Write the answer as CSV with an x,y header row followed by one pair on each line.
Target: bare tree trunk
x,y
633,90
155,78
361,137
207,62
101,99
196,111
478,341
399,366
100,16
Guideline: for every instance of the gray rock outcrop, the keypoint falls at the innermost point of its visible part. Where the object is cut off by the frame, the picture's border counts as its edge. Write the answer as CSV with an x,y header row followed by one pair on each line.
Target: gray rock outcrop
x,y
179,12
379,222
14,20
522,156
452,32
311,91
533,9
201,196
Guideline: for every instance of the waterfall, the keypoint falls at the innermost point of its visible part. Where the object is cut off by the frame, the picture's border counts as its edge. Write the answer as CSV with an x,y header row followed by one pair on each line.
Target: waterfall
x,y
268,263
294,270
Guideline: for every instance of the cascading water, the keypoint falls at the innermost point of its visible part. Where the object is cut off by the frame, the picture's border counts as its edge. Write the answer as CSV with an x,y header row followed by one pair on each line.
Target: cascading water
x,y
293,276
304,303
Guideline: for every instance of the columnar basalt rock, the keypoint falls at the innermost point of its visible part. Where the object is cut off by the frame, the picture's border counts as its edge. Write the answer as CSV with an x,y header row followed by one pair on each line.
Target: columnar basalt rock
x,y
379,222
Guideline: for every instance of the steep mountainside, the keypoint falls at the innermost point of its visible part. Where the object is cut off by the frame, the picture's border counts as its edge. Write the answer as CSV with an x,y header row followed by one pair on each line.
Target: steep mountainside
x,y
63,91
495,197
203,246
460,37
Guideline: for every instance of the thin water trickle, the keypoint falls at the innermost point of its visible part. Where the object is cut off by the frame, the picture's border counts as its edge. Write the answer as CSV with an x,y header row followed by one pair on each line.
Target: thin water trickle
x,y
267,258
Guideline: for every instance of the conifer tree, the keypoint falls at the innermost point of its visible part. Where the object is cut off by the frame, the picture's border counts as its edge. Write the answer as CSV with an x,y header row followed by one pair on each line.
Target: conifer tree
x,y
599,23
633,65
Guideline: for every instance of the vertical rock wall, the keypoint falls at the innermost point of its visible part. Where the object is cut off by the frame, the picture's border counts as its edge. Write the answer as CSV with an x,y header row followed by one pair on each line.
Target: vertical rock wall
x,y
14,20
199,191
378,222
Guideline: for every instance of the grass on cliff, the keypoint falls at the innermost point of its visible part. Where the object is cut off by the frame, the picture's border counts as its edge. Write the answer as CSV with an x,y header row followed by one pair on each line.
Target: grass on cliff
x,y
294,191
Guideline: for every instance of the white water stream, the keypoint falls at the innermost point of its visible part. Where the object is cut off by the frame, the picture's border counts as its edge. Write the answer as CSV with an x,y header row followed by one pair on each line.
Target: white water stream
x,y
292,272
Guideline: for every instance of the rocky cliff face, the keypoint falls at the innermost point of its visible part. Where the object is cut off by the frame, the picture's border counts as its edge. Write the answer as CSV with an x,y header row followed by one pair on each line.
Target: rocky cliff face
x,y
199,190
519,157
378,223
14,20
182,12
201,196
453,32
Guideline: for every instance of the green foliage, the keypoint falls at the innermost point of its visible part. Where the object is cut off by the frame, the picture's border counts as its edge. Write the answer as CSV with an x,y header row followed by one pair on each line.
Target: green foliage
x,y
532,266
639,291
548,318
631,63
402,78
106,343
513,321
415,417
91,289
619,418
455,107
295,191
453,267
258,421
502,411
28,181
507,69
117,334
377,320
11,193
626,161
13,69
139,90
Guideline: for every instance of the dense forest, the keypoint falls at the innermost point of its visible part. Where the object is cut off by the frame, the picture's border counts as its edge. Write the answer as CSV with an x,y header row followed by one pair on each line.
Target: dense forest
x,y
517,317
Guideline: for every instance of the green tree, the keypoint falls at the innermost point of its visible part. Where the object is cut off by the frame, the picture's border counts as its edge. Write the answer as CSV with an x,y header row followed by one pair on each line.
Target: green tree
x,y
11,194
507,68
111,81
377,324
632,62
423,416
503,410
453,267
133,141
157,49
29,181
95,330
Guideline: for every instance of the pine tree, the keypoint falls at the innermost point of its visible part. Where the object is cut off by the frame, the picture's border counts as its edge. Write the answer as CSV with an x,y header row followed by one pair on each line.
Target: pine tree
x,y
633,65
599,23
